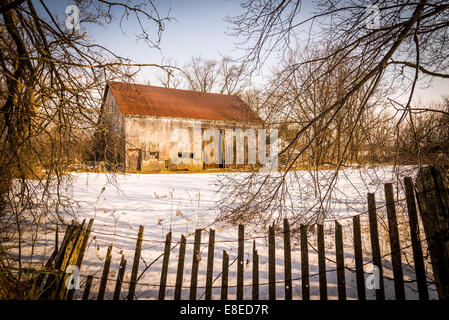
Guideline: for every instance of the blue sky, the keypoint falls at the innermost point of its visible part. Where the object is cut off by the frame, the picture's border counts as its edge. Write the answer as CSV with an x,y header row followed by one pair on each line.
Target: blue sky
x,y
199,29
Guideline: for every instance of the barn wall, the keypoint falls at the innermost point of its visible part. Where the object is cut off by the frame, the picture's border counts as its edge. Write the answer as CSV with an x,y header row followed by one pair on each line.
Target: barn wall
x,y
146,136
148,142
114,122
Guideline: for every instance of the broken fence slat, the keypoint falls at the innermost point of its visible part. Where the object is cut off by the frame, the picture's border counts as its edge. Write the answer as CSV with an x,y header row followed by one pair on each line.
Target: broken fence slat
x,y
135,268
118,284
195,263
322,262
358,254
224,276
375,248
287,261
164,271
87,287
180,270
415,238
304,263
341,282
394,243
210,265
104,277
255,290
271,264
82,251
240,265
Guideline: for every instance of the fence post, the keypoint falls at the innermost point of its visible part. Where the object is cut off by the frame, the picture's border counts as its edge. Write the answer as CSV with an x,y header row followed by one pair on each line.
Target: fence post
x,y
104,277
81,253
210,265
87,287
164,269
416,243
341,282
224,276
51,282
358,254
433,201
322,263
195,263
375,248
395,246
85,242
271,264
255,272
68,235
70,257
287,261
121,273
240,265
304,263
180,271
135,269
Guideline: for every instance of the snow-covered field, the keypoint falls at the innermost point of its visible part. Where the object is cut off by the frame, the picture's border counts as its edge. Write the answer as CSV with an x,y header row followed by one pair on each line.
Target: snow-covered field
x,y
183,202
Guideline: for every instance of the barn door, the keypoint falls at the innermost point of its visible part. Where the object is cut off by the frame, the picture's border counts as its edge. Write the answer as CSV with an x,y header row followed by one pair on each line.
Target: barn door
x,y
134,160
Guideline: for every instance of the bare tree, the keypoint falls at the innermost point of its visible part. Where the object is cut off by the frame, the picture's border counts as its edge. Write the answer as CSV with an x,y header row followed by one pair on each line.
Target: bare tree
x,y
305,93
201,74
206,75
430,128
170,76
376,46
51,83
233,78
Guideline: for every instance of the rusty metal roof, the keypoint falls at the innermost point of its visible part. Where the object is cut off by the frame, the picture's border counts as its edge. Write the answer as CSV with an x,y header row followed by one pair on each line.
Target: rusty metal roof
x,y
146,100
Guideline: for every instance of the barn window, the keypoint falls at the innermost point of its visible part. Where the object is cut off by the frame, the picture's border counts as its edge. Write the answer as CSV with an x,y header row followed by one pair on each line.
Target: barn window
x,y
151,155
154,155
186,155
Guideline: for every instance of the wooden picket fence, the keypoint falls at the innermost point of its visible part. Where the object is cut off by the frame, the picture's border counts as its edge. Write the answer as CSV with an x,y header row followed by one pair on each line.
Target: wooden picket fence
x,y
433,202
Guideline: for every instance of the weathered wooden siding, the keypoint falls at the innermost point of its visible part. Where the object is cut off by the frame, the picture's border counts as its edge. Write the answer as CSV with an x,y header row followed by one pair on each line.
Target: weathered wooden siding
x,y
148,141
154,134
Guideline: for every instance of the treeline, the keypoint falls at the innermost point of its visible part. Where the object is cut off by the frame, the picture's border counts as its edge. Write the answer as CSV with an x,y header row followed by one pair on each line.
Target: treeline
x,y
296,100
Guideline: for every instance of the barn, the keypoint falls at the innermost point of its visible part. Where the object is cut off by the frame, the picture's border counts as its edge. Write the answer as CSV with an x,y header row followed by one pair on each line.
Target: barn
x,y
149,128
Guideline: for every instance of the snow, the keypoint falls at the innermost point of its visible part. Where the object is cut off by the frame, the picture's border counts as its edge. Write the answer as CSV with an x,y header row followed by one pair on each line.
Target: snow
x,y
183,202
